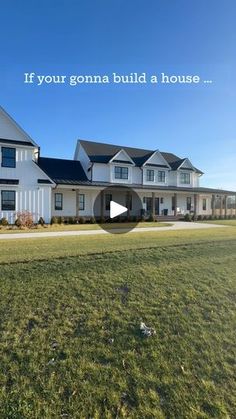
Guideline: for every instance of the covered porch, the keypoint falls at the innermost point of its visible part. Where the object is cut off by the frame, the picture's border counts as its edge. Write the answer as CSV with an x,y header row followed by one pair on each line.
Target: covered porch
x,y
94,201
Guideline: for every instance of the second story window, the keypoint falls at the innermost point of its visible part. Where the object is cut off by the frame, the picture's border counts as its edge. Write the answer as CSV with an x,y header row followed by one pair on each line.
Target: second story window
x,y
161,176
184,178
58,201
8,157
121,172
150,175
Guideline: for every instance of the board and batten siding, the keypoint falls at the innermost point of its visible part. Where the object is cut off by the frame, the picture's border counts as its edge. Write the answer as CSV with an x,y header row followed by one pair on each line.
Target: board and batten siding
x,y
30,195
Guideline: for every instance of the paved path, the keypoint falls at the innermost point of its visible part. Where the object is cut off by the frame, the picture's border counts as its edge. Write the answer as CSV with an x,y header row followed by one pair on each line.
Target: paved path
x,y
176,225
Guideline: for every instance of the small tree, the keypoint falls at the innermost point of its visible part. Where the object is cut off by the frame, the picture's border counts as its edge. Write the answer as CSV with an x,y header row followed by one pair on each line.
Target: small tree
x,y
24,219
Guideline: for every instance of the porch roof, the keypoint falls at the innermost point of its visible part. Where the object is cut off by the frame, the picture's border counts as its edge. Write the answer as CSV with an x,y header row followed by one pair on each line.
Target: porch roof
x,y
174,189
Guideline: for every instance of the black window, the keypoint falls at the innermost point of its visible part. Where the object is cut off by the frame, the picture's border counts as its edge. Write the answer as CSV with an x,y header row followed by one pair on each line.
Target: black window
x,y
173,203
129,202
150,175
81,202
148,202
8,157
108,199
204,204
189,203
121,172
58,201
161,176
185,178
8,200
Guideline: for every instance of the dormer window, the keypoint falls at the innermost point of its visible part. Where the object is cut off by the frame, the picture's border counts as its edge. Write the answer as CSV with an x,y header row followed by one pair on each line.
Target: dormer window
x,y
161,176
8,157
121,172
150,175
184,178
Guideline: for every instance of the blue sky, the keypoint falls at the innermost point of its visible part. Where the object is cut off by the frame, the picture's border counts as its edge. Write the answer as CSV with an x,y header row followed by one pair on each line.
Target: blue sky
x,y
105,36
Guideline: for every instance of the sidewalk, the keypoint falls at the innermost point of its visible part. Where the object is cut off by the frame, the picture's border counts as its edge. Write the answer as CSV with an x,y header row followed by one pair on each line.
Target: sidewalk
x,y
177,225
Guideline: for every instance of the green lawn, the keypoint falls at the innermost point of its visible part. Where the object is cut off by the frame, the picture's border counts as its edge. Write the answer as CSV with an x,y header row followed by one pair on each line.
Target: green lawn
x,y
81,227
70,311
224,222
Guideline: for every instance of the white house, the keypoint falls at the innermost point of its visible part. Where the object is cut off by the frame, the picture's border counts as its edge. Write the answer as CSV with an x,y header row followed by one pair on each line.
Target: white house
x,y
167,185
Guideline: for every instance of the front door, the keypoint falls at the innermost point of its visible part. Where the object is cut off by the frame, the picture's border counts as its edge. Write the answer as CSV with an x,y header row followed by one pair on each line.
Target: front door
x,y
157,206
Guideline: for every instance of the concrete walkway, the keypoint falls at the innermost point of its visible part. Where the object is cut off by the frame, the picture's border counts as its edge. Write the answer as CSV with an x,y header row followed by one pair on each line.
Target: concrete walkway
x,y
177,225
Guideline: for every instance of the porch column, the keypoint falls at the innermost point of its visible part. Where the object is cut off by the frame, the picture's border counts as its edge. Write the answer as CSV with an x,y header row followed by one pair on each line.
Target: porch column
x,y
102,204
195,204
153,204
213,205
77,202
221,206
226,206
175,204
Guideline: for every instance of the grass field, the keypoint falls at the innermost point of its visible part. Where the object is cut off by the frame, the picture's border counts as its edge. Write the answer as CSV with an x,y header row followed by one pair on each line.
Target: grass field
x,y
70,343
223,222
81,227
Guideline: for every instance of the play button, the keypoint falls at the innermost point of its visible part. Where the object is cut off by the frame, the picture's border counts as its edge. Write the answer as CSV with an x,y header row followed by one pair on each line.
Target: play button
x,y
116,209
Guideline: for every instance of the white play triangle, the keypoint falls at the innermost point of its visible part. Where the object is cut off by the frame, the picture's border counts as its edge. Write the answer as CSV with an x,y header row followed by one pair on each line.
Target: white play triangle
x,y
116,209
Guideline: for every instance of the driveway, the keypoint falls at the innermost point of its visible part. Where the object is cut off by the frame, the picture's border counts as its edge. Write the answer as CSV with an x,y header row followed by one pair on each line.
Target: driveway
x,y
176,225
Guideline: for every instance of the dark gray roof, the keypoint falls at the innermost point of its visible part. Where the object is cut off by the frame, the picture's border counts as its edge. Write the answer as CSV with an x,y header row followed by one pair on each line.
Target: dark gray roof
x,y
173,189
102,153
63,171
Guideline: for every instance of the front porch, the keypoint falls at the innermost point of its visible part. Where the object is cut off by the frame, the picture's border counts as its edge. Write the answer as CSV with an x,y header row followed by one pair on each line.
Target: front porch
x,y
94,202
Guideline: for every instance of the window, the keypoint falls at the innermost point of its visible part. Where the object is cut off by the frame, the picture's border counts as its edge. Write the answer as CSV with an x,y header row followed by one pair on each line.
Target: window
x,y
150,175
161,176
121,172
204,204
81,202
129,202
148,202
8,200
58,201
189,203
8,157
108,199
185,178
173,203
162,200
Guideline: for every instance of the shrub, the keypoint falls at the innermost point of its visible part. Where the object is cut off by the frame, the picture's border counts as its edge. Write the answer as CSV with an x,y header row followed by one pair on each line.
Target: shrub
x,y
210,217
41,221
199,217
18,222
54,220
150,218
82,220
92,220
25,219
187,217
4,222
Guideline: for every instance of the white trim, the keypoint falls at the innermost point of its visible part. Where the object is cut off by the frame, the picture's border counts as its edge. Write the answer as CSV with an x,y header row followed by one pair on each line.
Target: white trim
x,y
122,151
17,126
160,155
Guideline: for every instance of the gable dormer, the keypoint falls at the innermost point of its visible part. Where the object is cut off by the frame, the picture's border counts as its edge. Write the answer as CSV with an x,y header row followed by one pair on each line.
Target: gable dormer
x,y
121,170
122,157
155,169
